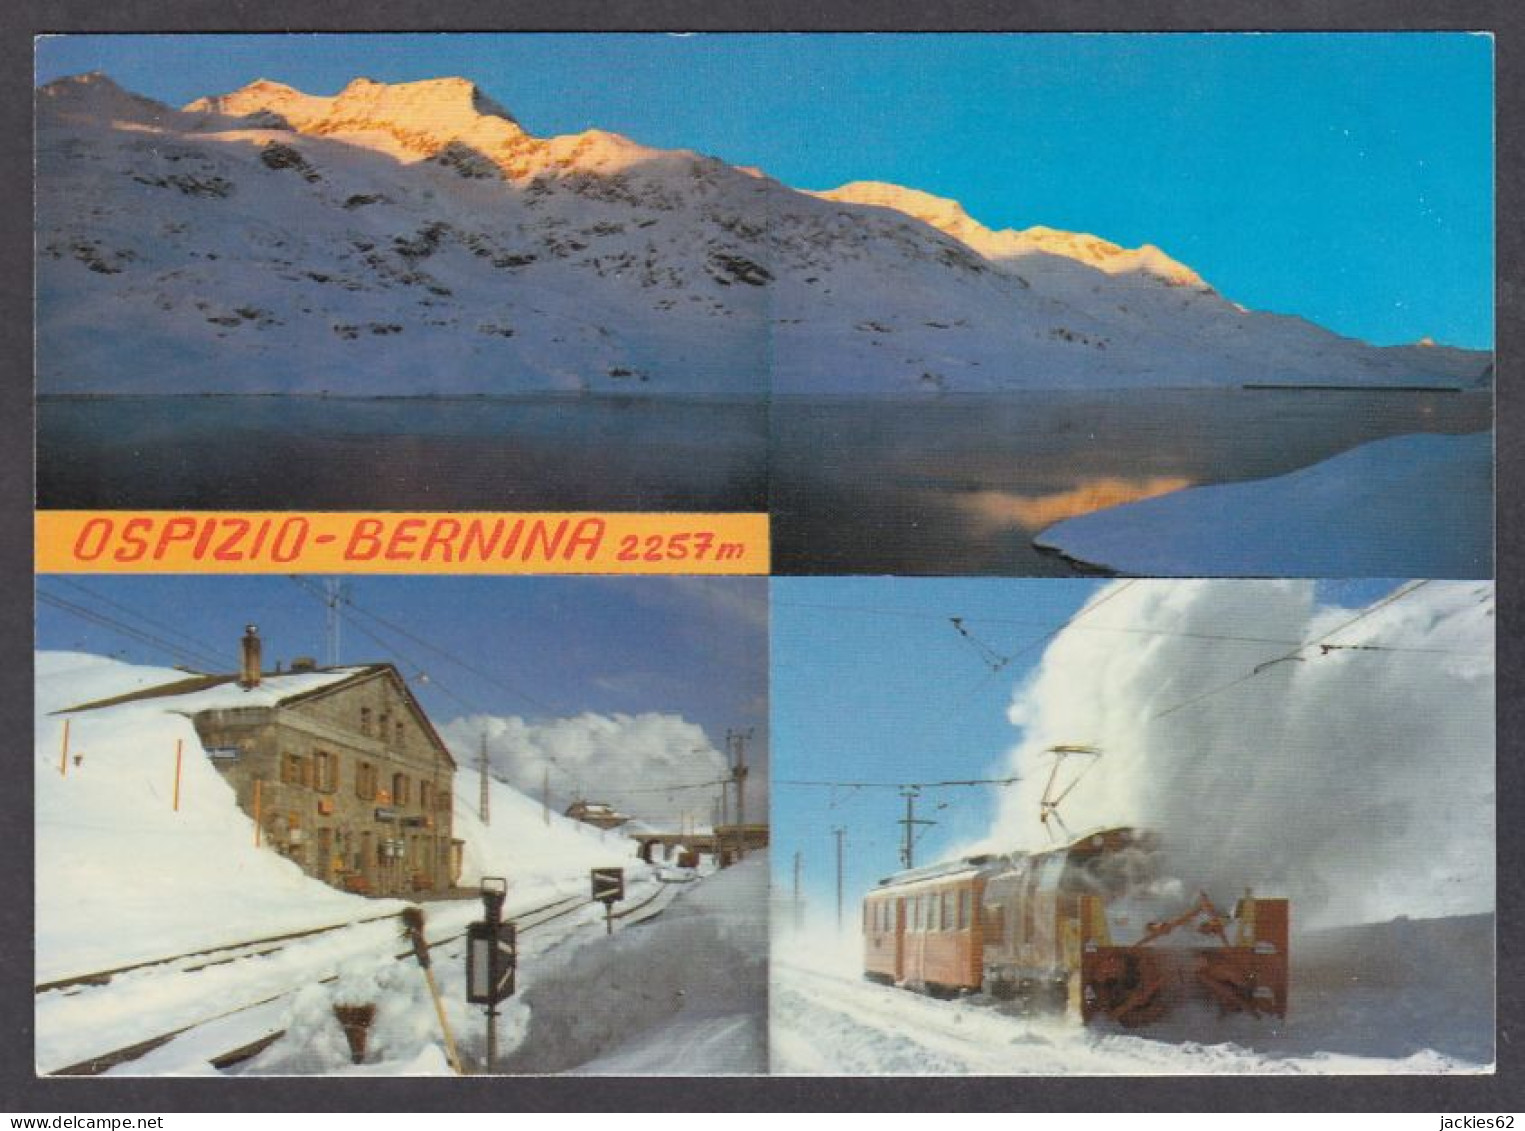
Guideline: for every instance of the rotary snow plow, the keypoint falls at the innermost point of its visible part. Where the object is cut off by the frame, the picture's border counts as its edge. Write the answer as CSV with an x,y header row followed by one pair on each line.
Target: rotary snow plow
x,y
1097,924
1238,963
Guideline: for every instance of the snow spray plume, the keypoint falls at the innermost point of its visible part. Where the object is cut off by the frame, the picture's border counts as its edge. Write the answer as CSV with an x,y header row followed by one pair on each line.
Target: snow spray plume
x,y
1358,780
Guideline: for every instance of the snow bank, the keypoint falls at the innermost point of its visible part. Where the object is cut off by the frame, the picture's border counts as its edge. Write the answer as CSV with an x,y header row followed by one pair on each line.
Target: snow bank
x,y
122,877
1359,781
532,850
1419,506
682,994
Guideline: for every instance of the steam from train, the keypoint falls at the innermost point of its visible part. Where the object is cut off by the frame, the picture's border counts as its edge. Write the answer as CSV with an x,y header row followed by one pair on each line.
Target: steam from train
x,y
1357,780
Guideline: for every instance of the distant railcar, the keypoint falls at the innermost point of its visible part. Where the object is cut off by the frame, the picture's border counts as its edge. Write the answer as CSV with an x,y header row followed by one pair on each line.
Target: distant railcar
x,y
1079,926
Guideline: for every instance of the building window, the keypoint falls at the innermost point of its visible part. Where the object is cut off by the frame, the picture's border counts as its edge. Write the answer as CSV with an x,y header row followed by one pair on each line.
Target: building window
x,y
326,771
365,781
365,721
294,770
400,789
398,731
426,795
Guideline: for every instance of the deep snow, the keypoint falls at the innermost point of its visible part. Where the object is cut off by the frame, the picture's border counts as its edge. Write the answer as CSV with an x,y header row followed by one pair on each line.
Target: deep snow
x,y
1402,997
685,993
1407,506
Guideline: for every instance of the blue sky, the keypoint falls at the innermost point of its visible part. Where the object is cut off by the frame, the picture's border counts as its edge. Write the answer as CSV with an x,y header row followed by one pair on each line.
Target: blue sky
x,y
1343,177
872,683
549,646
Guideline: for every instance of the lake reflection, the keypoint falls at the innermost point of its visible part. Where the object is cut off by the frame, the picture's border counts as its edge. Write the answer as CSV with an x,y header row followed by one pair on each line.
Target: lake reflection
x,y
959,485
288,453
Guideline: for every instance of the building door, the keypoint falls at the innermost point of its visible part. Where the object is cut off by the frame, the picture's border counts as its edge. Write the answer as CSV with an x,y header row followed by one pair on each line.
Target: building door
x,y
325,862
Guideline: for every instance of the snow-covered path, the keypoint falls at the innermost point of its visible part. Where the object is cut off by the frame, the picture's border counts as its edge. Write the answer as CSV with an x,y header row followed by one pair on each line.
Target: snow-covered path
x,y
824,1019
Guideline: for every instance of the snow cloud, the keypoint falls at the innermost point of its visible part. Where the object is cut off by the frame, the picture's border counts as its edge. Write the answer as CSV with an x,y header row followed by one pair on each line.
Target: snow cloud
x,y
1357,780
628,761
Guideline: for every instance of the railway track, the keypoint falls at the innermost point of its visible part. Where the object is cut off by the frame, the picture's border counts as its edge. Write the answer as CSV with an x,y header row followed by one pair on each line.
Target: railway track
x,y
527,920
229,952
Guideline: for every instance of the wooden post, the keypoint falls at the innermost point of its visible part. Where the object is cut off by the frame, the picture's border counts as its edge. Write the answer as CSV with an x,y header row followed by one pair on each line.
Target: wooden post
x,y
257,783
178,744
413,926
63,758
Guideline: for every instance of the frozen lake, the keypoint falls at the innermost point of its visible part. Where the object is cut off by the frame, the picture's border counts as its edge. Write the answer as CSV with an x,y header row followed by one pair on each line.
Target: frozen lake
x,y
289,453
960,485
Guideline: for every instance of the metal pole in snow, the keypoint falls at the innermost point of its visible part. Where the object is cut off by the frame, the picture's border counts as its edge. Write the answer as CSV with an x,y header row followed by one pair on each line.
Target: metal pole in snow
x,y
839,833
178,744
495,925
797,908
63,758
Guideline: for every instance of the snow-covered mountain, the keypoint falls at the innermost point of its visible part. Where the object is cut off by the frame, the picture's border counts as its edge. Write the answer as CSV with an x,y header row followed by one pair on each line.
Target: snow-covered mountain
x,y
414,238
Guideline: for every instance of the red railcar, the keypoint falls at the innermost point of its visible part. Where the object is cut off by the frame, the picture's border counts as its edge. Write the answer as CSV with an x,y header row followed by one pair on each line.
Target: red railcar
x,y
922,928
1087,925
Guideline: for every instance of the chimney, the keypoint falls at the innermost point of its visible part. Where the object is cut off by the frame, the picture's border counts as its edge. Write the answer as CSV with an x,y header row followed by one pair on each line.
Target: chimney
x,y
248,672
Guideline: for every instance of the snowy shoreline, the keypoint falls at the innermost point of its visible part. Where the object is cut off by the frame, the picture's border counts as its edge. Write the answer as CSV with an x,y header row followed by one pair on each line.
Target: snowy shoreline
x,y
1405,506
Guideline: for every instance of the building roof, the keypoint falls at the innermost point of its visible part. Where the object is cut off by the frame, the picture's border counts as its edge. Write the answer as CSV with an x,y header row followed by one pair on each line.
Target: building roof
x,y
197,693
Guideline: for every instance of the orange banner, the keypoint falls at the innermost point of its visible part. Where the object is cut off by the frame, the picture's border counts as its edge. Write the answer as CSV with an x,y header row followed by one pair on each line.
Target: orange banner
x,y
399,542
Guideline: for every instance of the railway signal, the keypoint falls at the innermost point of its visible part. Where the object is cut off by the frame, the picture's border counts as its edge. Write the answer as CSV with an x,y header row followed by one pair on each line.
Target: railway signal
x,y
492,958
608,889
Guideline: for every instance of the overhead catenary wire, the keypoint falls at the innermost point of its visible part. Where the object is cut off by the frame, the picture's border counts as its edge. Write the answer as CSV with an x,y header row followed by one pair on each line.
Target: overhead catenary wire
x,y
413,638
201,647
572,778
1134,630
202,659
898,785
433,682
1318,642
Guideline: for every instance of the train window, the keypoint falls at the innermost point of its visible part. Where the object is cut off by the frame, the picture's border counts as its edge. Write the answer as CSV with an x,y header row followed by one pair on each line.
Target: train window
x,y
963,909
945,920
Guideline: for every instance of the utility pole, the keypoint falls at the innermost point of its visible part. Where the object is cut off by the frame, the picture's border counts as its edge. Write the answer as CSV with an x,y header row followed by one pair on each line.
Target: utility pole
x,y
335,594
736,743
799,910
910,821
483,808
839,832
